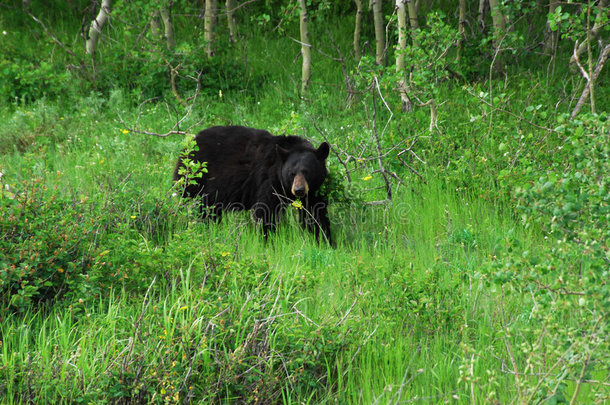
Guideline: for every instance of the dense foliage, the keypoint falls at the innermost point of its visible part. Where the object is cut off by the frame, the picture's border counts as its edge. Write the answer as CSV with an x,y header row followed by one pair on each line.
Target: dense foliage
x,y
470,201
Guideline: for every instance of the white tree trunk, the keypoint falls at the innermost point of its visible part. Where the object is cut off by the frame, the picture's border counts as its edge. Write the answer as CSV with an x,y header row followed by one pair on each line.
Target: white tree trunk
x,y
357,30
96,27
412,8
155,24
499,20
230,5
401,12
211,11
481,16
305,48
461,28
169,28
379,33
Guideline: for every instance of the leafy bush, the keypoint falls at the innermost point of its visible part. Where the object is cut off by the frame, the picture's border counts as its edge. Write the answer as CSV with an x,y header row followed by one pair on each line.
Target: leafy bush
x,y
55,246
566,278
45,245
25,80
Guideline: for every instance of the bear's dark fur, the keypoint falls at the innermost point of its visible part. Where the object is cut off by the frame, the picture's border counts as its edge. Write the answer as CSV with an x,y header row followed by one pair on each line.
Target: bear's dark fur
x,y
249,168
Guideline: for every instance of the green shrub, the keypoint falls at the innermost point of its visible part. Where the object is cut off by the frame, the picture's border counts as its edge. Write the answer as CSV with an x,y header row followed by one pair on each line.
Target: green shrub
x,y
564,282
55,246
45,245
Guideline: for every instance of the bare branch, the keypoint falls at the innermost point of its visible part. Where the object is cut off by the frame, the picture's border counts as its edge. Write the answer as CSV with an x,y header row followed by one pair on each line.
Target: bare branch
x,y
245,3
53,37
175,129
603,56
388,186
520,118
577,60
349,310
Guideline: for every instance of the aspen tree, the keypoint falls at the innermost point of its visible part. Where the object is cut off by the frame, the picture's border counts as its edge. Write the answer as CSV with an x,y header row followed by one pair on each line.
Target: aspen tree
x,y
209,20
379,34
305,48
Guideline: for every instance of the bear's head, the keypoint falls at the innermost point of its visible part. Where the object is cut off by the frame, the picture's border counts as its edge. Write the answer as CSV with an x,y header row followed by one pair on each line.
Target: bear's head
x,y
304,170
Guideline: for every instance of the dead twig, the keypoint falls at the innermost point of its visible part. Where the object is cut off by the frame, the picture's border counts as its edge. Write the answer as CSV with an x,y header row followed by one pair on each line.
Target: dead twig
x,y
560,290
176,128
173,72
349,310
53,37
520,118
348,85
388,186
334,151
298,312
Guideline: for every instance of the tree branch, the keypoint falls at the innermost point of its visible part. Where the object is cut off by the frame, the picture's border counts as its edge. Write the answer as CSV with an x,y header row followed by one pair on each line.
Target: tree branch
x,y
53,37
603,56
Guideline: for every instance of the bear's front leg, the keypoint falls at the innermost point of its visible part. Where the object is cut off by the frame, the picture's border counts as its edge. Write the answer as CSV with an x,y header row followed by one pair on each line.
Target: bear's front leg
x,y
266,213
315,218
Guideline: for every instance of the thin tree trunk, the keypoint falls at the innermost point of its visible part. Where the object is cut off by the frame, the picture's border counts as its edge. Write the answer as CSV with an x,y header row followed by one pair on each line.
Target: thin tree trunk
x,y
209,21
155,24
357,29
550,44
230,5
379,33
305,48
96,27
169,28
412,8
401,12
498,18
499,23
461,28
481,16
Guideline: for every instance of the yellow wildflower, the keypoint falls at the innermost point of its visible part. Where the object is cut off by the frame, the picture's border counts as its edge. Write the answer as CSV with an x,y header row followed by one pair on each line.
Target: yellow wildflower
x,y
297,204
125,131
367,178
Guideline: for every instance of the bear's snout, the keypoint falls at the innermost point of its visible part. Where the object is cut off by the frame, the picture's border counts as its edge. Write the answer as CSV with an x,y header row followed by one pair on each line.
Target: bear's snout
x,y
300,188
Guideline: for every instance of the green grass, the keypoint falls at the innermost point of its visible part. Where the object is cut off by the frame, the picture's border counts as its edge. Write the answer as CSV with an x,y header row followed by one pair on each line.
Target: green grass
x,y
399,289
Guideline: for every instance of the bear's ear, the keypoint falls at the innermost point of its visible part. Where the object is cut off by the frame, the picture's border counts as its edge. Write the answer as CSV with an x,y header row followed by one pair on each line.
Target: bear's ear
x,y
281,152
323,150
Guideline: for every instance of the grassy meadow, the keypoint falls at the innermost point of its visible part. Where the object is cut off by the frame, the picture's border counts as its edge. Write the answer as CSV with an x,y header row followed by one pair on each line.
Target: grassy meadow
x,y
482,280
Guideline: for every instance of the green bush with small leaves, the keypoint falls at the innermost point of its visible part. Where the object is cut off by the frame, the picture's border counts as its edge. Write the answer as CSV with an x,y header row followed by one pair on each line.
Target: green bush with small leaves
x,y
46,246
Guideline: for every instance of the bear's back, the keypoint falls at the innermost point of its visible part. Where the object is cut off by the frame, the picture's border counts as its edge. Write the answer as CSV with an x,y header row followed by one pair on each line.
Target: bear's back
x,y
232,143
227,145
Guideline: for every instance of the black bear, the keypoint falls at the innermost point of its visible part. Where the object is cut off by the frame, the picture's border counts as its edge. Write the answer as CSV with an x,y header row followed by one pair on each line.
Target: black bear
x,y
249,168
